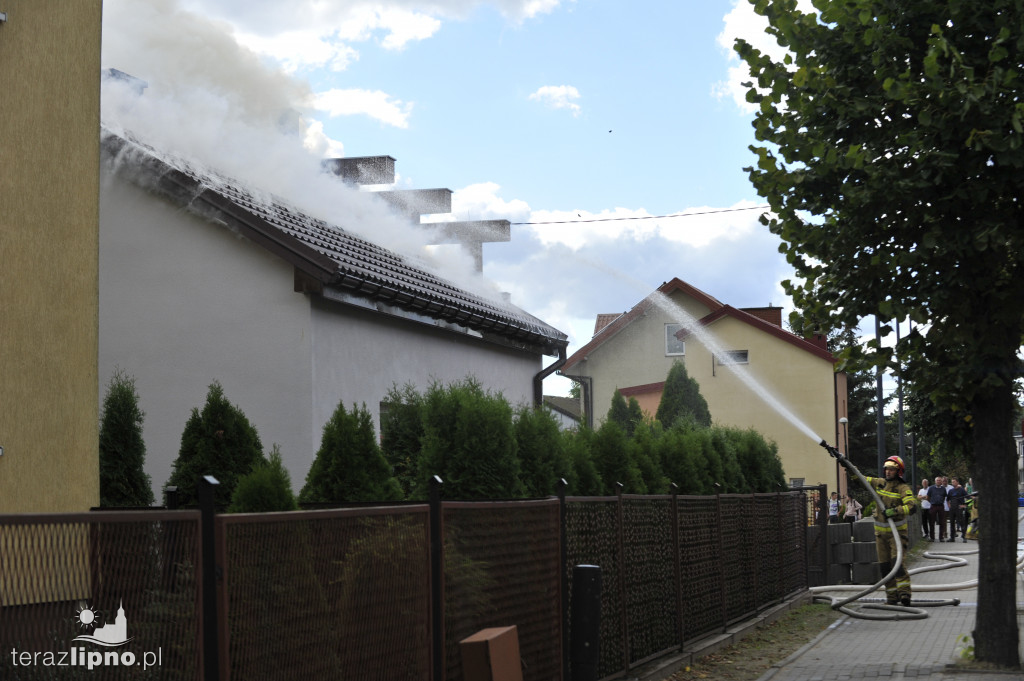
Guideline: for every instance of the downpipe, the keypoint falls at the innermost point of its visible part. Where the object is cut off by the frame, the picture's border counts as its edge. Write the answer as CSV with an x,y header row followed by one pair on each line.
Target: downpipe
x,y
890,612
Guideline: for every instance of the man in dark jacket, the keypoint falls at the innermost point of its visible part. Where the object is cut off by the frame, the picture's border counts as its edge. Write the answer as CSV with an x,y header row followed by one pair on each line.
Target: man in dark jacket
x,y
957,498
937,500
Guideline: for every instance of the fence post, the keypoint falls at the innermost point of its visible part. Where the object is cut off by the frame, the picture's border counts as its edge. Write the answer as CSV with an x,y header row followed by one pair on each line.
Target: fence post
x,y
563,567
436,580
211,662
780,584
677,571
586,616
721,557
621,532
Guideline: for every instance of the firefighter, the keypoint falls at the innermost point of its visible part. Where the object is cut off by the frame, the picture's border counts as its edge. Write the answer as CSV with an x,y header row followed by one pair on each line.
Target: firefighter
x,y
899,503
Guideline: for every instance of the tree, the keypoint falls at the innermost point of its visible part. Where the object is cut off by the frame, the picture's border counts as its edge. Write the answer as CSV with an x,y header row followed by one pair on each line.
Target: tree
x,y
861,405
614,458
267,487
681,398
542,458
893,163
583,477
123,481
628,415
217,441
469,442
401,428
349,465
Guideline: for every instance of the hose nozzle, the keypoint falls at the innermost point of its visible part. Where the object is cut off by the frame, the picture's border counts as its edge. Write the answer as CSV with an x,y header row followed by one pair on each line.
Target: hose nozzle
x,y
831,450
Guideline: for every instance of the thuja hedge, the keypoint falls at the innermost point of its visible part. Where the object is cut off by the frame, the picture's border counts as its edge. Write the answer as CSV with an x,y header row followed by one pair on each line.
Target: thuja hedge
x,y
483,448
480,446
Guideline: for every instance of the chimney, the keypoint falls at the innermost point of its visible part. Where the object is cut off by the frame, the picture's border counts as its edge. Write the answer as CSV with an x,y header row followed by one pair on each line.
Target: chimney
x,y
770,314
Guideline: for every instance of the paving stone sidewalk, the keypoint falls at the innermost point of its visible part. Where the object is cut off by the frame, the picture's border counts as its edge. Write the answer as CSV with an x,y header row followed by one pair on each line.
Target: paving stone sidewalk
x,y
923,649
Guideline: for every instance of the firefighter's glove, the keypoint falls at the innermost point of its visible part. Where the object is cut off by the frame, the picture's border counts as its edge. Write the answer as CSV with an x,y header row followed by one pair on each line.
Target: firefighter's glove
x,y
890,512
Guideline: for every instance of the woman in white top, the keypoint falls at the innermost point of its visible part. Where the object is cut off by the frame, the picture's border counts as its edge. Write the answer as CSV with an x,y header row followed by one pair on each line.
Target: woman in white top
x,y
922,494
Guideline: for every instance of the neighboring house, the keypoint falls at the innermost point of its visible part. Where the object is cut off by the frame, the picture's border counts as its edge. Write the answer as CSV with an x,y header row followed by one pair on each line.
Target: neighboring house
x,y
566,410
200,280
49,231
720,345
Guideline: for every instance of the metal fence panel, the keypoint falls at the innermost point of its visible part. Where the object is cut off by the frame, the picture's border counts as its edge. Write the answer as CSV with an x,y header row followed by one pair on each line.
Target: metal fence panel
x,y
700,550
501,569
592,539
650,576
328,594
129,572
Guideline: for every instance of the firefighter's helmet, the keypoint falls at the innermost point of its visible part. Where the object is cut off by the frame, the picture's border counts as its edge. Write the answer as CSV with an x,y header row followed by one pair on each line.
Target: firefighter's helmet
x,y
895,462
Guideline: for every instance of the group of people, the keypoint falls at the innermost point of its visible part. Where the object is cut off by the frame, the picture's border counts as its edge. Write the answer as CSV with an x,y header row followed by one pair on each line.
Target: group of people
x,y
940,503
944,503
849,507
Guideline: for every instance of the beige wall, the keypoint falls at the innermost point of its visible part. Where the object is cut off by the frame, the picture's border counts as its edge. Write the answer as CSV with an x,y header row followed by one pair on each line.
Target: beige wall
x,y
49,208
800,382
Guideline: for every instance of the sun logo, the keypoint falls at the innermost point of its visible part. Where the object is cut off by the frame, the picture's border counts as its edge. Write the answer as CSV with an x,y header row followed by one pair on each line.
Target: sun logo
x,y
86,616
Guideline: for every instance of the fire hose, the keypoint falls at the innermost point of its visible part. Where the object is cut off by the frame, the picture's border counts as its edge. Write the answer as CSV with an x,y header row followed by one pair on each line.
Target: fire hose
x,y
892,612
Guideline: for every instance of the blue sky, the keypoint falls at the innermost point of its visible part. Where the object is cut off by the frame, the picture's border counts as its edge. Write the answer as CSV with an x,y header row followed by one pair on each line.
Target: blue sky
x,y
529,110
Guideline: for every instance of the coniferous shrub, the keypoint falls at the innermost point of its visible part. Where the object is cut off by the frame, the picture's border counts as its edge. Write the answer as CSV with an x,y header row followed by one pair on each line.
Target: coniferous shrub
x,y
469,442
647,454
681,399
349,465
613,455
583,476
760,461
267,487
684,457
732,479
218,441
541,456
123,480
401,429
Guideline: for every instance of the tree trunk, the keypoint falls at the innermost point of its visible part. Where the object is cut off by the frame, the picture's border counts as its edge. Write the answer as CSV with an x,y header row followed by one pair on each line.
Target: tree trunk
x,y
995,633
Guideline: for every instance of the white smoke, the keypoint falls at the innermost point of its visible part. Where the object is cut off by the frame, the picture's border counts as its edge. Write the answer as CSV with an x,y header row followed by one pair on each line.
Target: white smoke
x,y
218,105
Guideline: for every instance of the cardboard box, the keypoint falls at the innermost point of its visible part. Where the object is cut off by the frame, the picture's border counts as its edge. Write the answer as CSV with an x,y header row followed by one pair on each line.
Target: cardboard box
x,y
492,655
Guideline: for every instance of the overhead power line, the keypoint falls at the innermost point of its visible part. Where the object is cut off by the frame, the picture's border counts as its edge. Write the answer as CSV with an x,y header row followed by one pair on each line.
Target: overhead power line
x,y
645,217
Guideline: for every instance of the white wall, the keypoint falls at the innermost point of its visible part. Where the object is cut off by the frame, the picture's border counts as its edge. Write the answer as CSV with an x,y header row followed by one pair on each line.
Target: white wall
x,y
184,302
359,355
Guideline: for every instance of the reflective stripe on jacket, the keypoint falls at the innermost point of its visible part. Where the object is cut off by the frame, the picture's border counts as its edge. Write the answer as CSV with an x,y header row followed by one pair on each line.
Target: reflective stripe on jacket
x,y
894,494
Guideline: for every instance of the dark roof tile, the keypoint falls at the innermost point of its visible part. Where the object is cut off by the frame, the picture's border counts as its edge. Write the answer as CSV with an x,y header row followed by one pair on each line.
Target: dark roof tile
x,y
329,252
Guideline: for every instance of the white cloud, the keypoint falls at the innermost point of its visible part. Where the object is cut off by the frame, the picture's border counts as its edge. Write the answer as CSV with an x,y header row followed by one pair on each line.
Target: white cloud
x,y
558,97
373,103
481,202
743,22
317,34
697,226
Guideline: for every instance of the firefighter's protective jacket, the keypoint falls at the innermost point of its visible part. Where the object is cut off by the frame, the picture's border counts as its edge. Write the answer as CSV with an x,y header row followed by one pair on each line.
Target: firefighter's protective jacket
x,y
894,494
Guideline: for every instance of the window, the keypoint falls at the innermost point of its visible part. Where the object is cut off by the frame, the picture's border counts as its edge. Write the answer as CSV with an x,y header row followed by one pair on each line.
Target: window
x,y
732,357
674,346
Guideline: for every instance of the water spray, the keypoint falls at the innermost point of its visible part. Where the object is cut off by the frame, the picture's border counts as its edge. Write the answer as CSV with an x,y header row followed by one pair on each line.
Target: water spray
x,y
891,612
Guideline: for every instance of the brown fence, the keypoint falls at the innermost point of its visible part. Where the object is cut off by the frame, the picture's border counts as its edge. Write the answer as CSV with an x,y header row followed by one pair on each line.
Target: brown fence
x,y
676,569
59,572
350,593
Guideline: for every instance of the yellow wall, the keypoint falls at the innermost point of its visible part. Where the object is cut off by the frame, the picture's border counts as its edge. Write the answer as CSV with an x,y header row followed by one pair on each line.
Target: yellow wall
x,y
49,221
802,382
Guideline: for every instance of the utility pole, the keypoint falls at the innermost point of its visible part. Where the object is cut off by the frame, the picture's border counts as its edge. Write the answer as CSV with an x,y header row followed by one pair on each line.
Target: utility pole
x,y
880,401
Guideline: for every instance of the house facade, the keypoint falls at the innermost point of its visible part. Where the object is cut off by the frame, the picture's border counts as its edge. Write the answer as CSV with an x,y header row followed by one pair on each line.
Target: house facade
x,y
49,207
752,372
202,281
